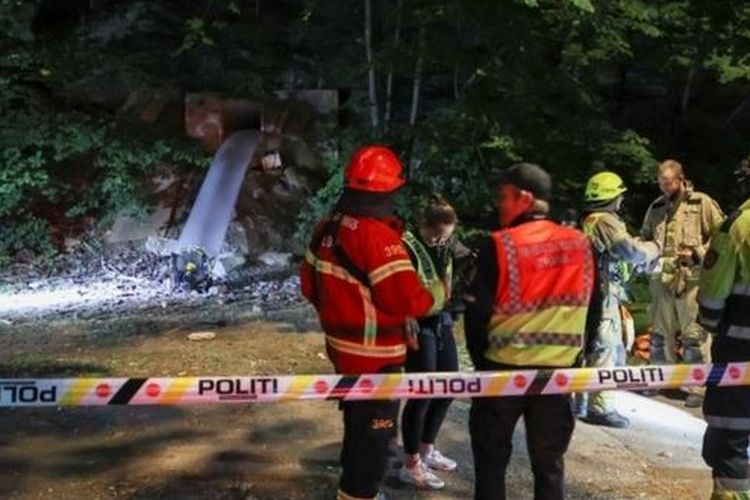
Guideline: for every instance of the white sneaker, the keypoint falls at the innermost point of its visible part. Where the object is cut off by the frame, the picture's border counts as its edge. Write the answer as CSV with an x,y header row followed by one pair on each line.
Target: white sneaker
x,y
420,476
437,461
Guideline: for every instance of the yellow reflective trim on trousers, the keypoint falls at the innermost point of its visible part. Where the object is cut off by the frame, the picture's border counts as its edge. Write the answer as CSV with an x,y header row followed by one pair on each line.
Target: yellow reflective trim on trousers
x,y
387,270
558,319
368,308
730,495
730,489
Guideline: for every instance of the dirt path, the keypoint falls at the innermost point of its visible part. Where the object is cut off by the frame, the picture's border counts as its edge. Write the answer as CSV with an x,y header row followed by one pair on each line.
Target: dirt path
x,y
247,452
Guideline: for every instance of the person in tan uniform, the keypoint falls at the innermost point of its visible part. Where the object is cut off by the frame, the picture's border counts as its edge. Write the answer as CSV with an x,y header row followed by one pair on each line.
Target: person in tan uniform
x,y
681,222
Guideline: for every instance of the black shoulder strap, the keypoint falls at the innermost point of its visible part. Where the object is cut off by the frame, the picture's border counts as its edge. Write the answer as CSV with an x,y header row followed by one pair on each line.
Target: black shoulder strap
x,y
343,258
331,229
729,221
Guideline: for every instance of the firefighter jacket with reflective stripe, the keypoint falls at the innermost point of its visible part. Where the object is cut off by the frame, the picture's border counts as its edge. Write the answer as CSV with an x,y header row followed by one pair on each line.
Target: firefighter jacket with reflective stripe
x,y
687,222
546,275
362,310
616,252
724,294
437,281
724,300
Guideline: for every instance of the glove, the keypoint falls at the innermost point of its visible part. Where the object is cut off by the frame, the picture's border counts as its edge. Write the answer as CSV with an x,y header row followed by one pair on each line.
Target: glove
x,y
411,329
652,253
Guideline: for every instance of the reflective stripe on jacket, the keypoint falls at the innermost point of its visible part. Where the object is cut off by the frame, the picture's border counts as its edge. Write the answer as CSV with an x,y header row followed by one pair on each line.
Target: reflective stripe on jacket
x,y
724,293
546,278
428,272
363,318
724,300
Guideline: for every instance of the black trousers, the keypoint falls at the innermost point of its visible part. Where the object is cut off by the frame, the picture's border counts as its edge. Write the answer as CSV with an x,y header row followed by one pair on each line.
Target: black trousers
x,y
727,413
368,428
725,451
422,418
549,427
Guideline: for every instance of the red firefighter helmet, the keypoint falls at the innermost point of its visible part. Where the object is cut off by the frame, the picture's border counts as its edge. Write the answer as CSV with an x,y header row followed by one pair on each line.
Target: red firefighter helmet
x,y
375,169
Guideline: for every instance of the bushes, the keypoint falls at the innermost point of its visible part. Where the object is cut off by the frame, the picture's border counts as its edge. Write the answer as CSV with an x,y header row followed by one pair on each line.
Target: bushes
x,y
56,169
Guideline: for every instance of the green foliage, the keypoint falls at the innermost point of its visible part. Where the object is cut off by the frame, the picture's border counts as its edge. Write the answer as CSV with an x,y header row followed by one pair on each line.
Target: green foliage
x,y
323,201
630,154
196,35
31,234
326,197
15,17
461,153
73,166
730,67
574,85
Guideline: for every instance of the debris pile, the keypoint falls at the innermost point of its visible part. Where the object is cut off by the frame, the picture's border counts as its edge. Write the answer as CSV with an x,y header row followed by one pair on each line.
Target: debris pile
x,y
98,281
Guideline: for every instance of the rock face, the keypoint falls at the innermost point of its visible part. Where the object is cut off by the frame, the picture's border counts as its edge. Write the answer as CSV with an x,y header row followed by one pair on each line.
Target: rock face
x,y
134,229
268,207
211,118
269,201
265,214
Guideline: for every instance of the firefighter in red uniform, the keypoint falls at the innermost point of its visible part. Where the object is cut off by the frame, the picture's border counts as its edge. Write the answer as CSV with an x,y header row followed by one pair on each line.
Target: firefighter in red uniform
x,y
528,308
360,279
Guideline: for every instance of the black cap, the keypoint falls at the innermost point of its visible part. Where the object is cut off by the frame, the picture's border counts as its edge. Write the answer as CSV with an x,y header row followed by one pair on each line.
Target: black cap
x,y
531,178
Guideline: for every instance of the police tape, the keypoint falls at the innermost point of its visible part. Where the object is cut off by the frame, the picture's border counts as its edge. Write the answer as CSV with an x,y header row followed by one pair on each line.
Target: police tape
x,y
271,389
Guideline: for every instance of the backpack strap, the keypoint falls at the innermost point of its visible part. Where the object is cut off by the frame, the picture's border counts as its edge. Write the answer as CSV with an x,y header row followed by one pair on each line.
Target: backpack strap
x,y
331,229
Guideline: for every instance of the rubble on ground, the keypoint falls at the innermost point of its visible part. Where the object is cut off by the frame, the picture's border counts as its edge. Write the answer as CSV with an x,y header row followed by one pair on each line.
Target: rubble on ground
x,y
98,280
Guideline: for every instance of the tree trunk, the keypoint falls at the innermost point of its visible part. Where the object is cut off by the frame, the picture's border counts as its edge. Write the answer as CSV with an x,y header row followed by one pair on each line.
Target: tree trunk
x,y
389,79
417,79
457,64
370,65
736,112
686,93
456,84
415,90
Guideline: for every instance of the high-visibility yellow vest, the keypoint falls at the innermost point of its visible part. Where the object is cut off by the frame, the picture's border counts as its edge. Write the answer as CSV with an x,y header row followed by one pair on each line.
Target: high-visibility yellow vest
x,y
724,292
546,278
428,273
